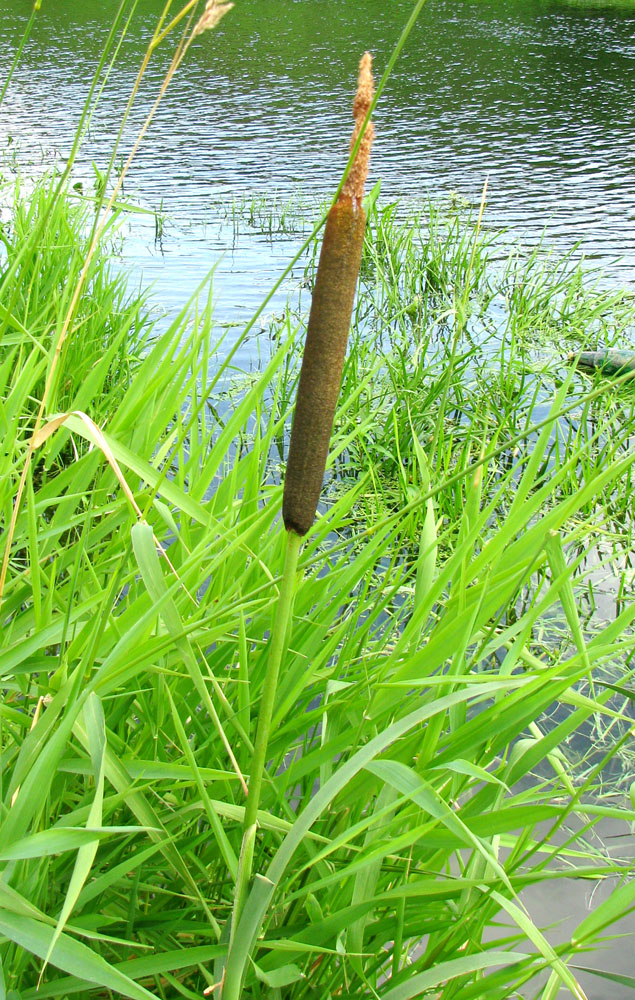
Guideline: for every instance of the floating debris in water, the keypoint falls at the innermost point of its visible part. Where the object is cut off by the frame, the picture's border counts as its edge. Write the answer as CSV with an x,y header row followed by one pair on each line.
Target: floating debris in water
x,y
610,361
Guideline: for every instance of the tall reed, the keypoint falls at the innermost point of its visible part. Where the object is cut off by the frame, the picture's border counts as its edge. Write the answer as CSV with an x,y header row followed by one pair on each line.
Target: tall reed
x,y
318,390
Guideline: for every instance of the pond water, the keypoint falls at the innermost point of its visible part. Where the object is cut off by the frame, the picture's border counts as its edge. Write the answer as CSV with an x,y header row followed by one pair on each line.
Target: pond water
x,y
537,95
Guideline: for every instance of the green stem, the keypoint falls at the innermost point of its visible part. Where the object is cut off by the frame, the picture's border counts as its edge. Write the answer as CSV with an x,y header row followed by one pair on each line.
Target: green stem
x,y
276,650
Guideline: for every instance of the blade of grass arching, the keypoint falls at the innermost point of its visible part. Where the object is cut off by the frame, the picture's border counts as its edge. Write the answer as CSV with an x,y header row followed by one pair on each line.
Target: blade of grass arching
x,y
538,939
258,900
148,560
69,955
18,54
147,967
138,804
96,733
169,491
611,977
150,770
415,986
58,840
224,845
13,902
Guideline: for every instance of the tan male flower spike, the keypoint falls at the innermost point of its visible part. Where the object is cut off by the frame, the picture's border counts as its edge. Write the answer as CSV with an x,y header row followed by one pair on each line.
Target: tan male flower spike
x,y
354,183
327,332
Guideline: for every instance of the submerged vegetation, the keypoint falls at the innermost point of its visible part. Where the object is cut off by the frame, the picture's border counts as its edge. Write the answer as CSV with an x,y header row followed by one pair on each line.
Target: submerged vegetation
x,y
453,717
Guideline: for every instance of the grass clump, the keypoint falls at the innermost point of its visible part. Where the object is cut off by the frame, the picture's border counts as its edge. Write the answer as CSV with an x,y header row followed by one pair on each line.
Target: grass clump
x,y
44,245
424,730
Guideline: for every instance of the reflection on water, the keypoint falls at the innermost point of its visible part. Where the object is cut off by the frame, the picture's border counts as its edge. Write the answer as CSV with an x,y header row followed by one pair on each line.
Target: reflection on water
x,y
567,902
536,95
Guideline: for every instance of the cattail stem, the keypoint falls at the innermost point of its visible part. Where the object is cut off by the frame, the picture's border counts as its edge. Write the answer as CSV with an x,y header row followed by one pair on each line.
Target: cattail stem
x,y
319,387
318,390
277,644
276,649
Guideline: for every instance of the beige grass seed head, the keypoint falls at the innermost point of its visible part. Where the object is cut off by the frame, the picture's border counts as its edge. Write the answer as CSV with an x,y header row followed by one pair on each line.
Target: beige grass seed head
x,y
214,10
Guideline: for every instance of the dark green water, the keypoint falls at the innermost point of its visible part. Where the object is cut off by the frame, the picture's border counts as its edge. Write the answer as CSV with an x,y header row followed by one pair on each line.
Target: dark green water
x,y
536,94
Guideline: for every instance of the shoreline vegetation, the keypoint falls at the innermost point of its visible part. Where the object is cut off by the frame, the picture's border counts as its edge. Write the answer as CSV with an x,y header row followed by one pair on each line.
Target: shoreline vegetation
x,y
453,718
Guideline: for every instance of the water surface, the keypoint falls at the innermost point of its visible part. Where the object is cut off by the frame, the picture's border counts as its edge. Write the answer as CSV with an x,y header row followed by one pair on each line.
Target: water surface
x,y
535,95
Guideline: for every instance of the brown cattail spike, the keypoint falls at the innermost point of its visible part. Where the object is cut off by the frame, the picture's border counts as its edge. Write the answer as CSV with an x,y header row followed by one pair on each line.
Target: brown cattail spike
x,y
327,332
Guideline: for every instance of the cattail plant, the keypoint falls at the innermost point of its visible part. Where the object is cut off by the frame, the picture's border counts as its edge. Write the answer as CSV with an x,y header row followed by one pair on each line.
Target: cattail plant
x,y
318,390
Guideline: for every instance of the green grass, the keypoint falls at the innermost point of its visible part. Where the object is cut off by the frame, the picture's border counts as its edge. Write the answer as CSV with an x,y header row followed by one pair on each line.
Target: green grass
x,y
453,695
111,324
396,805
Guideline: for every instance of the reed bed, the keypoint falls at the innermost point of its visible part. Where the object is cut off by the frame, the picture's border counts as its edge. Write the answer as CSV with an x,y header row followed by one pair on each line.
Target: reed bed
x,y
447,646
